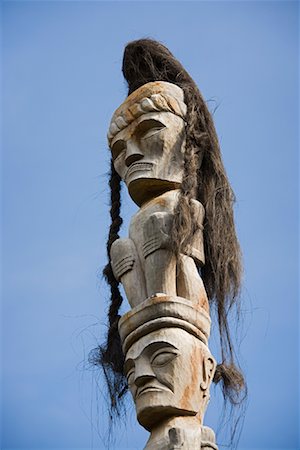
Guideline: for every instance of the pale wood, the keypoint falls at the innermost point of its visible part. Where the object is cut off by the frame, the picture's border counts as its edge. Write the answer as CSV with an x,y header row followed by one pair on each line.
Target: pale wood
x,y
167,361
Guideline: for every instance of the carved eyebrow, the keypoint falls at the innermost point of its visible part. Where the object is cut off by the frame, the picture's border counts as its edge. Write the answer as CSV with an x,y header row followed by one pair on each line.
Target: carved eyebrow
x,y
158,345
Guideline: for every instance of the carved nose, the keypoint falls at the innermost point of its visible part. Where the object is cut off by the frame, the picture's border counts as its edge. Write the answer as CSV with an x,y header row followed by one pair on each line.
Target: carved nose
x,y
133,153
143,372
141,380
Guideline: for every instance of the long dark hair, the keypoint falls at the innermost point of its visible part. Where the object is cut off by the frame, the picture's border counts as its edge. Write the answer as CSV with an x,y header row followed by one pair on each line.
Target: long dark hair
x,y
204,179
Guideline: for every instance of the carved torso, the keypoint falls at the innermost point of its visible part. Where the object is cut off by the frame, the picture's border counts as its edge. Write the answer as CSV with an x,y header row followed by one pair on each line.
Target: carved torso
x,y
146,263
165,204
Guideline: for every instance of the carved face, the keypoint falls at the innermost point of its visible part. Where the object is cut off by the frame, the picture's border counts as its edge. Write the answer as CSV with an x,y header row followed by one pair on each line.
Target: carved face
x,y
169,372
148,154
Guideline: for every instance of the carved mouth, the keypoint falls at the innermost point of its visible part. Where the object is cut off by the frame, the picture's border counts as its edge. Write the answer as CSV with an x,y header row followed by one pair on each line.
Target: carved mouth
x,y
135,167
147,389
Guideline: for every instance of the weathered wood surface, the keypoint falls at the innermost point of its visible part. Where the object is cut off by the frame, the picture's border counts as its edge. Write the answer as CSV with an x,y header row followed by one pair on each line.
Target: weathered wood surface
x,y
167,361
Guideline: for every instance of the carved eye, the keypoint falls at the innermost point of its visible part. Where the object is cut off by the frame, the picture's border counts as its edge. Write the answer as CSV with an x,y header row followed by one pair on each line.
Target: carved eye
x,y
149,128
151,132
162,358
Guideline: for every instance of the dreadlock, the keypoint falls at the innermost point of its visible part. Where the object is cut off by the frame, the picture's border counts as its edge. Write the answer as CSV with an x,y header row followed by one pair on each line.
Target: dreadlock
x,y
110,355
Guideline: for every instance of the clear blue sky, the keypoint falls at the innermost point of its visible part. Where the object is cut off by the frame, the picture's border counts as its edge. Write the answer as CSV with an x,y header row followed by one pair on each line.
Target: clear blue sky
x,y
61,83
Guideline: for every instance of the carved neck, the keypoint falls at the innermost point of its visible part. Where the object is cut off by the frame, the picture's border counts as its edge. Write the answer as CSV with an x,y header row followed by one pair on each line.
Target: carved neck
x,y
176,432
171,194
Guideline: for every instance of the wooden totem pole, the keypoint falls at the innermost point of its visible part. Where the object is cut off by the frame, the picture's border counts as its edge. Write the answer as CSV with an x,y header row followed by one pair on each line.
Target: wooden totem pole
x,y
181,256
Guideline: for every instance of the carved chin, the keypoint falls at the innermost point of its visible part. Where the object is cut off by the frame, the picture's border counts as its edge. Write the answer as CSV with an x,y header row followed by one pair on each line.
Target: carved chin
x,y
142,187
153,413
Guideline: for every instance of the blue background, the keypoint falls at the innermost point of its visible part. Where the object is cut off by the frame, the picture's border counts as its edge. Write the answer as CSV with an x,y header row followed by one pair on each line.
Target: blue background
x,y
61,83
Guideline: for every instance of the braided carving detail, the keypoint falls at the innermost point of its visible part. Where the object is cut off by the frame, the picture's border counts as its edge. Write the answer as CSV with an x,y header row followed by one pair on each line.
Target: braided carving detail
x,y
155,103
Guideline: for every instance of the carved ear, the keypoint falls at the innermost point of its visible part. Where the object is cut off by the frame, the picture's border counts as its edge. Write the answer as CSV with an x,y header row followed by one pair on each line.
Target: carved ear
x,y
209,367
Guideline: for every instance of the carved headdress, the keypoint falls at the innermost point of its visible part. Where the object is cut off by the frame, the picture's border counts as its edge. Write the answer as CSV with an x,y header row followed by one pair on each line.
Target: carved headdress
x,y
146,62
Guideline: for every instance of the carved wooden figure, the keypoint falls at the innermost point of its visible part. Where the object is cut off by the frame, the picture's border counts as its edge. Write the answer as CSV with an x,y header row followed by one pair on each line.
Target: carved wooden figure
x,y
181,255
169,369
147,140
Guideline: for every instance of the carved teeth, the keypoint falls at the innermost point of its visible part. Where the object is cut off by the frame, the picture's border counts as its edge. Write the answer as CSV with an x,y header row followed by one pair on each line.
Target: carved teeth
x,y
138,166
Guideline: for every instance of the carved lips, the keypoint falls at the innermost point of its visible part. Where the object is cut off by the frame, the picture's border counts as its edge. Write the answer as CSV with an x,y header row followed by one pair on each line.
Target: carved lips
x,y
150,388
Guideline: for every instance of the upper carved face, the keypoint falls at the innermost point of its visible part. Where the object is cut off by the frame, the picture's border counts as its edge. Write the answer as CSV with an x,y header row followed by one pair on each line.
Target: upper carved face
x,y
169,372
148,154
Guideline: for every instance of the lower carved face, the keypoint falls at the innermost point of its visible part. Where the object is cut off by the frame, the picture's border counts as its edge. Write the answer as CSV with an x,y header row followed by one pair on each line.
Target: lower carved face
x,y
169,372
148,154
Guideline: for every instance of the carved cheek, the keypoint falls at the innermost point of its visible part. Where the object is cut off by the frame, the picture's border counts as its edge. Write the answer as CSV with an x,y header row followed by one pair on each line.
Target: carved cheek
x,y
166,375
131,384
191,389
120,166
174,147
173,151
153,146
